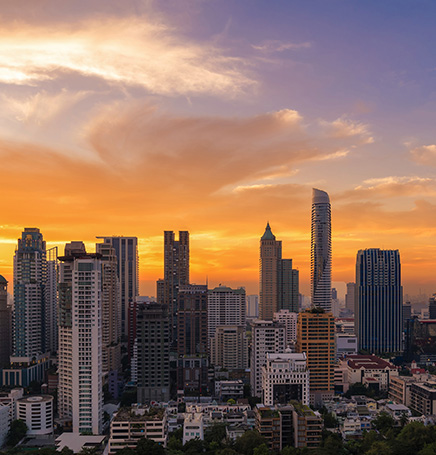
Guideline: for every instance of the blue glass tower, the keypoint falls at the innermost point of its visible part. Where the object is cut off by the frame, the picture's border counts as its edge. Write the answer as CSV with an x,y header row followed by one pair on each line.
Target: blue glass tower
x,y
379,300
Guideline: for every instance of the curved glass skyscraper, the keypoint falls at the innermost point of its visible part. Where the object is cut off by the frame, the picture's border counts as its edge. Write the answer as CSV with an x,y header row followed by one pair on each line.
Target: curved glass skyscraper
x,y
321,251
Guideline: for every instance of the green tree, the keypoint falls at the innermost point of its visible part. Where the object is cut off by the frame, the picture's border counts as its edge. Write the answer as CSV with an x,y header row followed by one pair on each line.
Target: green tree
x,y
128,398
248,442
175,443
126,451
330,420
215,433
17,431
66,451
289,450
429,449
149,447
227,451
333,445
383,422
194,447
413,438
261,450
378,448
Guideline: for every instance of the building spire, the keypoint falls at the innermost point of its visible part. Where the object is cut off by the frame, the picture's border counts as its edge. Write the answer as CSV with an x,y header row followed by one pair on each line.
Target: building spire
x,y
268,235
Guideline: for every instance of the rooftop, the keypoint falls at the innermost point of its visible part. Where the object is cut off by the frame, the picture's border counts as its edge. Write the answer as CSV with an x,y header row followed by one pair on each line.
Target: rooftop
x,y
139,414
368,362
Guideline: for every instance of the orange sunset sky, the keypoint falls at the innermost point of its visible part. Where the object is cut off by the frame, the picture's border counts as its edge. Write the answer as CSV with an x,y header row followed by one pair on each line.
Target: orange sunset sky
x,y
135,117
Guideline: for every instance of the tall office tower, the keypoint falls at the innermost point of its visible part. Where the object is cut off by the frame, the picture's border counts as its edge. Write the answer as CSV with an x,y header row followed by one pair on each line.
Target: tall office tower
x,y
432,307
278,281
153,360
176,274
316,337
321,250
350,296
5,324
225,306
126,250
30,303
267,336
111,308
51,316
379,300
252,306
289,320
192,336
80,391
229,347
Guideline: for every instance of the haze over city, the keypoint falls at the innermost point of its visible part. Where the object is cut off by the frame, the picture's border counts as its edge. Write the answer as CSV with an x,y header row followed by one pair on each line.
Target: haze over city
x,y
135,117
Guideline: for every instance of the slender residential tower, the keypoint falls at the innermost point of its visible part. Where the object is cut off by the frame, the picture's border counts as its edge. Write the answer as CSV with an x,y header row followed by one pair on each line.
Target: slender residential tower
x,y
321,251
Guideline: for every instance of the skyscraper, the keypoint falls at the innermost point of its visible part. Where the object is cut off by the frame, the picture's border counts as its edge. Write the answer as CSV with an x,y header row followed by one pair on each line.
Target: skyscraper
x,y
225,306
379,300
350,296
126,250
80,389
30,302
316,337
51,317
176,274
5,324
111,307
153,361
278,281
321,251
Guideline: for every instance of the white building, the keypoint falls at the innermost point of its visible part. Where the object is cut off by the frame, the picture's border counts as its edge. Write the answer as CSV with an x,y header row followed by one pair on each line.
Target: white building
x,y
285,377
80,339
346,344
193,427
267,336
229,348
37,413
225,306
289,320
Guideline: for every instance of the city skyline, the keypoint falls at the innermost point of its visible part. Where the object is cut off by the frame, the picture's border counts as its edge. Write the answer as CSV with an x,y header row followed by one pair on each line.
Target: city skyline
x,y
223,123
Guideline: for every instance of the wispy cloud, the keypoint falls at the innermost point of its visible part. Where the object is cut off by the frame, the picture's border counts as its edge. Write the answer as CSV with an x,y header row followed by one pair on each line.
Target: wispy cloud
x,y
128,51
426,154
280,46
344,127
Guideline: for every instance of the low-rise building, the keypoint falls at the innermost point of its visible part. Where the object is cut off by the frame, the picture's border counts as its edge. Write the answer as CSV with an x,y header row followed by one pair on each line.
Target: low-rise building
x,y
5,422
131,424
423,397
37,413
229,389
346,344
193,427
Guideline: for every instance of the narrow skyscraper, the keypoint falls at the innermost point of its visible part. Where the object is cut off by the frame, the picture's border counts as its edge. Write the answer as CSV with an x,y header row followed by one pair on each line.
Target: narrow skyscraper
x,y
126,250
379,300
321,251
278,281
5,324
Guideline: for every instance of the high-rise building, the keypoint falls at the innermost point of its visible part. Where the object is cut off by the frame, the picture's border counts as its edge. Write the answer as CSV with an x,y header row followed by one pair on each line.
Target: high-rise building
x,y
30,303
278,281
252,306
111,308
229,347
51,317
5,324
289,320
80,391
126,250
176,274
350,297
316,337
267,336
225,306
379,300
192,338
432,307
321,250
153,361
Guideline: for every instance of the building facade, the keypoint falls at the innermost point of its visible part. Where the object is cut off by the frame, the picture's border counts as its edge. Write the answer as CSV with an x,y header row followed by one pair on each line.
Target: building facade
x,y
379,300
289,320
225,306
80,391
321,251
267,337
229,348
278,281
285,377
126,250
38,414
153,361
316,337
5,324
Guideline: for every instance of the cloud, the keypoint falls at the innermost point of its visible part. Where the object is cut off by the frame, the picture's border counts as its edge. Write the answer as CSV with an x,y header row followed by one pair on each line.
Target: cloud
x,y
426,154
280,46
346,128
150,55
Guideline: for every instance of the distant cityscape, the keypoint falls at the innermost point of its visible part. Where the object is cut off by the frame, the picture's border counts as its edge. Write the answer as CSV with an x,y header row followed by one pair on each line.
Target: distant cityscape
x,y
86,362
